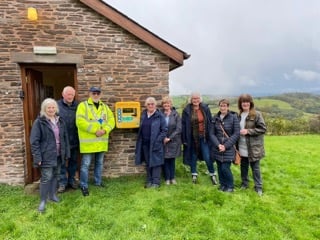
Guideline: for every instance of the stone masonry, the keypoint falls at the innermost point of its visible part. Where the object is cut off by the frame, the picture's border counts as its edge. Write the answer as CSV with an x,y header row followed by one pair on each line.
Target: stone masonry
x,y
127,69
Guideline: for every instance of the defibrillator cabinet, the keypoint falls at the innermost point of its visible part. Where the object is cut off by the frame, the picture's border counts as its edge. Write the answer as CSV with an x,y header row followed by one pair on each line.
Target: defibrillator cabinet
x,y
127,114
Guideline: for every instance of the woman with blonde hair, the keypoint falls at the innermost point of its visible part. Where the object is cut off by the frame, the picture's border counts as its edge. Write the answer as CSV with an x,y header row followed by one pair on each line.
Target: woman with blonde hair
x,y
172,141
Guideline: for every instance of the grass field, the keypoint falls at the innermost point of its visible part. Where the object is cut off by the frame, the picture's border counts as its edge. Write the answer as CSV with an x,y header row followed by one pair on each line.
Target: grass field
x,y
289,208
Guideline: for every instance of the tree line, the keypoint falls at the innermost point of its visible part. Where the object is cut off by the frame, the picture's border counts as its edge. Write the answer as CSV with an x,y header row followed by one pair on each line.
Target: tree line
x,y
302,118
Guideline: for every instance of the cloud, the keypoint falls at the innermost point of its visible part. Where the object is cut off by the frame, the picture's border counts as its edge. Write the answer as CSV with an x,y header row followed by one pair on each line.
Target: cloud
x,y
236,45
305,75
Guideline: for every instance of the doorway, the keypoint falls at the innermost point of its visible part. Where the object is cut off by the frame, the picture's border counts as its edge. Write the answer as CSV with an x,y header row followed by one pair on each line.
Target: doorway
x,y
40,81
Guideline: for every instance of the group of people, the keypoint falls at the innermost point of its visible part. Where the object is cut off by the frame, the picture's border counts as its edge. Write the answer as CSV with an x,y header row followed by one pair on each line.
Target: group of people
x,y
65,127
203,137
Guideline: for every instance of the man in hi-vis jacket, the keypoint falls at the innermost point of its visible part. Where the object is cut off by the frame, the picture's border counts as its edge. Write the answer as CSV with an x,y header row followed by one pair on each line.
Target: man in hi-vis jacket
x,y
95,121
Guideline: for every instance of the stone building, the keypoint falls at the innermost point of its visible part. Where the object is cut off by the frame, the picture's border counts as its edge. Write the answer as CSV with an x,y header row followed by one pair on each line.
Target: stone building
x,y
79,43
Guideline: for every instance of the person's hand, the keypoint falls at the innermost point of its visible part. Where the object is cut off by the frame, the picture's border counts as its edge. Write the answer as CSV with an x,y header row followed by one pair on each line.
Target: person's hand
x,y
100,132
243,131
39,163
222,148
166,140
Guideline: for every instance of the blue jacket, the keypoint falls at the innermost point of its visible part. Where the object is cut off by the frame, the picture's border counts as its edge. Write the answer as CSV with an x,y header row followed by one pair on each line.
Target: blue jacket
x,y
186,134
43,143
68,114
231,125
158,133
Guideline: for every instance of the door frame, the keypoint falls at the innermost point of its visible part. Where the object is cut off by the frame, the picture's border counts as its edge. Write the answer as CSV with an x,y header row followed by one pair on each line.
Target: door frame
x,y
30,172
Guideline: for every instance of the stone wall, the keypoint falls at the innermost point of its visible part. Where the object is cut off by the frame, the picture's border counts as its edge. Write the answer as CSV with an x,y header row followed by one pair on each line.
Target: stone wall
x,y
125,67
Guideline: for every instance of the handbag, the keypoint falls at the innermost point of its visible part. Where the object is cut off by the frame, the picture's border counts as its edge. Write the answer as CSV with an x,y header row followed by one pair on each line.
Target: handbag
x,y
237,157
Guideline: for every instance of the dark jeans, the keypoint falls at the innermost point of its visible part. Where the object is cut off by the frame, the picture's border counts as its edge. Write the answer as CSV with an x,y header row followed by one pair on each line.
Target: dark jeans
x,y
68,173
225,174
205,151
255,167
169,168
153,173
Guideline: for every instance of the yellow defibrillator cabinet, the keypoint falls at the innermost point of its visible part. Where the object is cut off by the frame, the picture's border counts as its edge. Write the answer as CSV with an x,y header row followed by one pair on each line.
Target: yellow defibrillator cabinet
x,y
127,114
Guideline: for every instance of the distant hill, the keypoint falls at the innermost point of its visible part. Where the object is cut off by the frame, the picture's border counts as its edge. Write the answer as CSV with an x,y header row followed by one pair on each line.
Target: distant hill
x,y
287,105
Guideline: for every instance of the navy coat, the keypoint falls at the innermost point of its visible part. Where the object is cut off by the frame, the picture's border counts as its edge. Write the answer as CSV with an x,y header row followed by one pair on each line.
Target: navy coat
x,y
186,134
231,125
158,133
43,143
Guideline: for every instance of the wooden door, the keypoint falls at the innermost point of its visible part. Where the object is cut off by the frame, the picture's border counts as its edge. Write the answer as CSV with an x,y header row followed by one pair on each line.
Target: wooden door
x,y
34,95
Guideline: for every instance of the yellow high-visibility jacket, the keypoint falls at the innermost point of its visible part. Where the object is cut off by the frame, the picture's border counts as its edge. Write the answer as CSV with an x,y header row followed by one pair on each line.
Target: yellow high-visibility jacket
x,y
89,120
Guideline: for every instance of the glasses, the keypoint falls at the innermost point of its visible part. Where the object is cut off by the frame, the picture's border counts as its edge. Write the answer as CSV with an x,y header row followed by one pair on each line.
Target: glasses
x,y
150,104
95,93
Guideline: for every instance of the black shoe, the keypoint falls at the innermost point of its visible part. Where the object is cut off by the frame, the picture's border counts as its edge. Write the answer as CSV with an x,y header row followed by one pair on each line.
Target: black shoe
x,y
243,187
85,191
214,180
194,179
100,185
148,185
221,188
259,192
230,190
73,185
61,189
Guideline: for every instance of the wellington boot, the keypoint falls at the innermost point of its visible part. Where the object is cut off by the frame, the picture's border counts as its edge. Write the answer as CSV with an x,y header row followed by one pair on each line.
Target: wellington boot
x,y
42,206
53,190
44,189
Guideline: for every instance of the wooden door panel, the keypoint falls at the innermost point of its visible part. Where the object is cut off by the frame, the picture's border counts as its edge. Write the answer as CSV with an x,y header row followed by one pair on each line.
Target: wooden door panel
x,y
35,95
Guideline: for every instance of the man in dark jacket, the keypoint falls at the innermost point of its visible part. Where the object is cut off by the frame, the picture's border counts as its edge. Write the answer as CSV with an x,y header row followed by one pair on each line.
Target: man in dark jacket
x,y
67,111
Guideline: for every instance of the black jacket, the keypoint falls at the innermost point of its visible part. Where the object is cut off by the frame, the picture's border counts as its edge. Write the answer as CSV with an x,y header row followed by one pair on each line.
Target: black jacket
x,y
231,126
68,114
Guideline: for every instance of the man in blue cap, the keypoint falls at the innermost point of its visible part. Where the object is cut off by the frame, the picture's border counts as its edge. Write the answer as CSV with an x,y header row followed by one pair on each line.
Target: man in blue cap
x,y
95,121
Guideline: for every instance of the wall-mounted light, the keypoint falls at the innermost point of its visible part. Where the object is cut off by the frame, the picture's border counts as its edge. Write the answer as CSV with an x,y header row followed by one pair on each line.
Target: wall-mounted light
x,y
32,14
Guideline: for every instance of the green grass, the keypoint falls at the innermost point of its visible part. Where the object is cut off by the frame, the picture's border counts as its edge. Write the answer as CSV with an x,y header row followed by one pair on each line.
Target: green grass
x,y
289,208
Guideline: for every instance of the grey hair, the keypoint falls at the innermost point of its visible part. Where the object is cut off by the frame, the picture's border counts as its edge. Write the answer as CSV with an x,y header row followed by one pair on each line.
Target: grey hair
x,y
44,105
150,100
195,94
65,89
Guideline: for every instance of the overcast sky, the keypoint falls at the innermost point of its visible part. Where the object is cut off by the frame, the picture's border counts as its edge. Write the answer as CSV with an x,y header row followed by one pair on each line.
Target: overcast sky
x,y
260,47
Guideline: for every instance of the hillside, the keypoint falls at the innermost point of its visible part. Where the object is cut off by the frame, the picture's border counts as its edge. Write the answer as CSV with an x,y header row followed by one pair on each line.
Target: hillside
x,y
288,105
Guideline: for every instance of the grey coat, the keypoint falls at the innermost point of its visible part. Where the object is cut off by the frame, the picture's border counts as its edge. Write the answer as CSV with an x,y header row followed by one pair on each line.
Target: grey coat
x,y
255,137
43,143
172,149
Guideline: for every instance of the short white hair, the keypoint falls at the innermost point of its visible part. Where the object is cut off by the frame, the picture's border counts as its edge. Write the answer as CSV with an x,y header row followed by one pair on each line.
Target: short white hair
x,y
150,100
195,94
44,105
